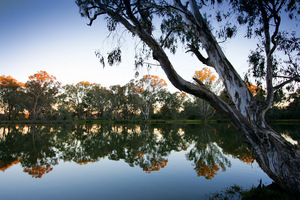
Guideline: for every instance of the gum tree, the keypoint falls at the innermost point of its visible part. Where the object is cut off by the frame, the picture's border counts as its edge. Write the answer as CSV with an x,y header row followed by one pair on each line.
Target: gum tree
x,y
73,97
41,90
11,96
146,91
185,22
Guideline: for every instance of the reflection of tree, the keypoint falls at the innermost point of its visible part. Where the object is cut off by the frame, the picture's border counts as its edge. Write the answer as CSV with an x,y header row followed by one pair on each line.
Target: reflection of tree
x,y
145,146
4,165
291,131
232,143
38,170
154,165
34,150
206,154
10,144
38,155
136,146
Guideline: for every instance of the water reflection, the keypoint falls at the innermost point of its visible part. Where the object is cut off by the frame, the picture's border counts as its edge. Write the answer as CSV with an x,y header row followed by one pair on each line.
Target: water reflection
x,y
40,148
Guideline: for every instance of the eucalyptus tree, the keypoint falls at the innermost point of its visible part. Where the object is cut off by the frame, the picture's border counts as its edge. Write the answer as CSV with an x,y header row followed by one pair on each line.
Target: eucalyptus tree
x,y
97,99
185,22
207,77
11,96
73,97
146,93
117,101
171,104
41,91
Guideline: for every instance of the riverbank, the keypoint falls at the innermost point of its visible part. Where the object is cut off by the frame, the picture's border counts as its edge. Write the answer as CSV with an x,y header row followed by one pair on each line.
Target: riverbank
x,y
180,121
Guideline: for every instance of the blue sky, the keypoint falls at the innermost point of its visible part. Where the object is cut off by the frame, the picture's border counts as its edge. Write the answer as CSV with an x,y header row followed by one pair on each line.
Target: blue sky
x,y
51,35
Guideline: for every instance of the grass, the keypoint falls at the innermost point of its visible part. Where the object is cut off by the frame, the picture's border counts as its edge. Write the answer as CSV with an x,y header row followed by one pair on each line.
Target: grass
x,y
284,121
270,192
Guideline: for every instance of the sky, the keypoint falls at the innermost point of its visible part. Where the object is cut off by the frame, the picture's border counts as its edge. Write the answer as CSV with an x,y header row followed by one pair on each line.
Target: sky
x,y
50,35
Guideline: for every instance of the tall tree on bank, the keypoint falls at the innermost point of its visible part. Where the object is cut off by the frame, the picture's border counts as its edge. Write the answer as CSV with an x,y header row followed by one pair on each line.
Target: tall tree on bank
x,y
185,23
11,96
41,91
73,96
146,91
210,80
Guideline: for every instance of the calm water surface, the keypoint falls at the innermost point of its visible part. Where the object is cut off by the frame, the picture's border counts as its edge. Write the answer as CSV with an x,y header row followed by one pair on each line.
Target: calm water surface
x,y
125,161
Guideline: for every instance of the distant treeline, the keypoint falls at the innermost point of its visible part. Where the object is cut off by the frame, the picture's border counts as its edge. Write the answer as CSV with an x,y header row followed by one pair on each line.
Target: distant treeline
x,y
43,98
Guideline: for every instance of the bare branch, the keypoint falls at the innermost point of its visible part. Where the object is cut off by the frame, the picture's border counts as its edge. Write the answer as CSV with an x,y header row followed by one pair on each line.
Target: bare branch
x,y
199,82
287,82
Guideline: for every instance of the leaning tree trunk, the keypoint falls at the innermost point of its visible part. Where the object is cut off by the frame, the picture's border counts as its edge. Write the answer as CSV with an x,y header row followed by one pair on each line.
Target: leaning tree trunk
x,y
278,158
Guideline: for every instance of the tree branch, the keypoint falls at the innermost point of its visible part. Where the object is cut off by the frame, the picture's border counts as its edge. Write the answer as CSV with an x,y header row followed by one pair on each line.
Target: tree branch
x,y
200,57
296,78
199,82
167,36
144,17
130,14
267,44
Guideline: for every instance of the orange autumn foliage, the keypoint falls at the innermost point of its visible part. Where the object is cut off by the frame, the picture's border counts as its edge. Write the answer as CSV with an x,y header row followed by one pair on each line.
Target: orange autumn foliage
x,y
148,83
26,114
153,81
156,166
205,75
38,171
140,154
4,165
208,172
254,89
42,76
84,83
246,158
85,162
8,81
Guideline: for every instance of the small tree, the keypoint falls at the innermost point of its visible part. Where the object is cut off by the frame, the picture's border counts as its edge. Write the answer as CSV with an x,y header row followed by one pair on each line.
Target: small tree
x,y
97,100
117,101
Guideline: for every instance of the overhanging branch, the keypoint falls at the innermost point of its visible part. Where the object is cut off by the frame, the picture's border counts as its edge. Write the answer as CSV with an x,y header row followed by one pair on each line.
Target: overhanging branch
x,y
287,82
200,57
